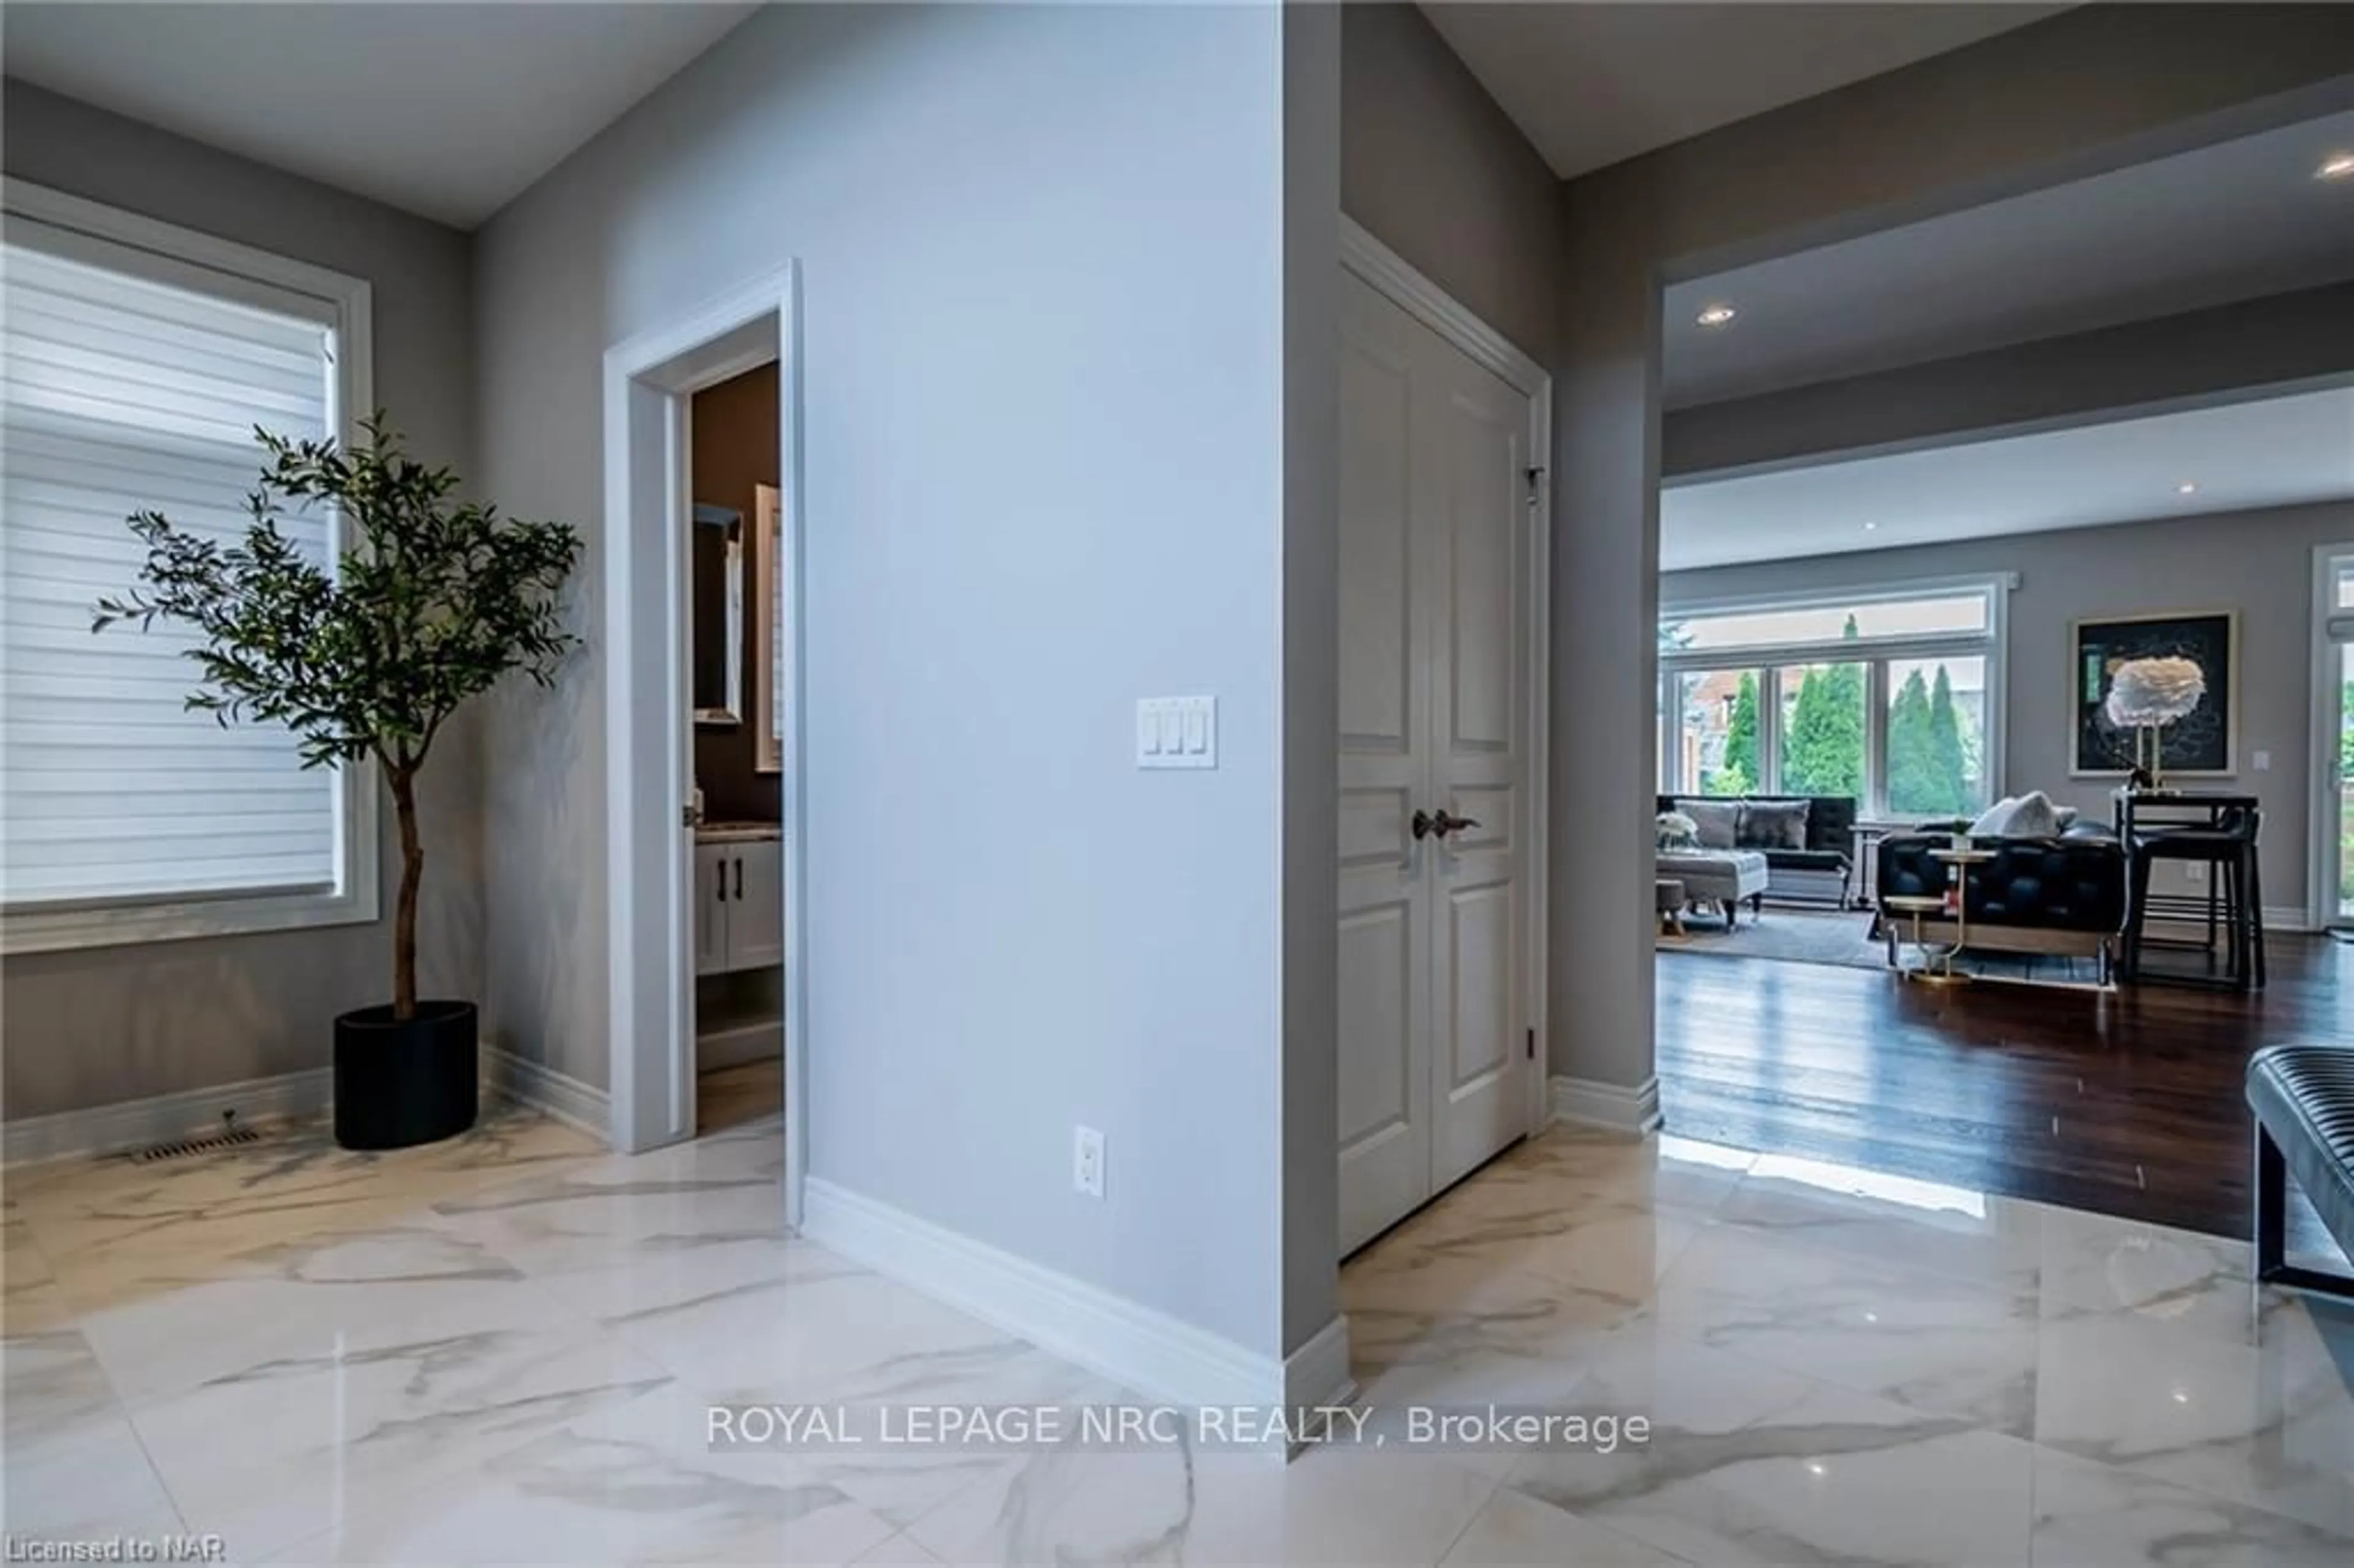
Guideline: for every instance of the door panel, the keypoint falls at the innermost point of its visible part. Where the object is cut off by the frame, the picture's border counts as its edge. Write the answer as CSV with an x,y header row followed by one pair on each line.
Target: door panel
x,y
1385,1112
710,908
1485,428
1384,1048
1480,551
756,908
1434,694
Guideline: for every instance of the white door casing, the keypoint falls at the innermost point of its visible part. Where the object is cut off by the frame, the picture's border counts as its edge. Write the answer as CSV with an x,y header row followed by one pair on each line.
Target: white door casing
x,y
1441,709
650,925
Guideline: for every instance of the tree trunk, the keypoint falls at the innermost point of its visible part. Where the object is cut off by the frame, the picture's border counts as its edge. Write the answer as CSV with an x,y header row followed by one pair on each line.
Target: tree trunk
x,y
404,919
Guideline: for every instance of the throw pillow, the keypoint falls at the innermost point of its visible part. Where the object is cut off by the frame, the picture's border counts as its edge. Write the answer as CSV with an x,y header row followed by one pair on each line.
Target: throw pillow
x,y
2033,816
1994,822
1717,820
1677,831
1773,825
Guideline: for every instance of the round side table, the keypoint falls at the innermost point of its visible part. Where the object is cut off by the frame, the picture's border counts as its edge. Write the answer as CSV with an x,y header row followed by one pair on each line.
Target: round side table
x,y
1936,966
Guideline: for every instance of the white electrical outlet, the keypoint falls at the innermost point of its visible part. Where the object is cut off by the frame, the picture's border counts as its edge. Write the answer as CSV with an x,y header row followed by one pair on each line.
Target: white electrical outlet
x,y
1086,1161
2193,871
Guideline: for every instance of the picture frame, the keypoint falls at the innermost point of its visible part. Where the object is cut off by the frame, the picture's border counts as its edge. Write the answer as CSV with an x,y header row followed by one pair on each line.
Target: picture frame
x,y
2206,744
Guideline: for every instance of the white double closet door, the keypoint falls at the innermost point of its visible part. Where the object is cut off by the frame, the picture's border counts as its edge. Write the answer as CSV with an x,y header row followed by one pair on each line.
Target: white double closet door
x,y
1435,551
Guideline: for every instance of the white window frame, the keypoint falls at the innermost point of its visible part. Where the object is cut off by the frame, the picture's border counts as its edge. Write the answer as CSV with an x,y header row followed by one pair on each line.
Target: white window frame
x,y
2332,628
104,235
1874,653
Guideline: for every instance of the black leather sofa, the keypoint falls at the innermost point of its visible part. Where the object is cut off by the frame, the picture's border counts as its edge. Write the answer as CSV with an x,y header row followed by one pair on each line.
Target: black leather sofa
x,y
1824,868
2062,895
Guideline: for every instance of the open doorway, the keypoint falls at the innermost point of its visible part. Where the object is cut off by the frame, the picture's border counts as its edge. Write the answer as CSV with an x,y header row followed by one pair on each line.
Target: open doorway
x,y
736,797
705,875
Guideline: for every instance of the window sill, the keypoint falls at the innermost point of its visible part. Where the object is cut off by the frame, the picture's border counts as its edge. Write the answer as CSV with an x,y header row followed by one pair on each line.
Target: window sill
x,y
135,925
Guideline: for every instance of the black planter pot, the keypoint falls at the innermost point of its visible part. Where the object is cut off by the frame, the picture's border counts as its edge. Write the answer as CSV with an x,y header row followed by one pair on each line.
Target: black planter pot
x,y
403,1083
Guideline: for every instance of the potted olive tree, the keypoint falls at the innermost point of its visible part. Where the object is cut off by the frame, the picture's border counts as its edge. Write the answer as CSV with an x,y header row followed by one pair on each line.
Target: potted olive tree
x,y
438,598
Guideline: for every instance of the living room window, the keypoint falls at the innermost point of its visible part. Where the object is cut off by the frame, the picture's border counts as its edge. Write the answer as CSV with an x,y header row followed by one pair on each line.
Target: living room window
x,y
140,359
1891,696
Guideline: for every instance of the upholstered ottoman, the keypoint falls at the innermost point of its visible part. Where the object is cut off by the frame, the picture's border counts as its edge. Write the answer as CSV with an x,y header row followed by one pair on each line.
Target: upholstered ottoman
x,y
1723,877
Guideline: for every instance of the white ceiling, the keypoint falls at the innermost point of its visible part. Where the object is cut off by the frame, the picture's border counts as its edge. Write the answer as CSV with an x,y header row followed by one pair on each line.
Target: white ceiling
x,y
445,109
1591,84
2269,452
2226,222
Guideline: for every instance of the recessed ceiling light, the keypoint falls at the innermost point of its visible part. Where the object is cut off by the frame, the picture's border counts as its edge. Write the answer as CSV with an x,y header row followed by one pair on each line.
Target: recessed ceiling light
x,y
2188,487
1717,316
1869,526
2337,167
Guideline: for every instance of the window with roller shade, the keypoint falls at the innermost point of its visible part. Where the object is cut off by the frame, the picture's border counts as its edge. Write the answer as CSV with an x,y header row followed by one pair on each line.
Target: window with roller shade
x,y
132,377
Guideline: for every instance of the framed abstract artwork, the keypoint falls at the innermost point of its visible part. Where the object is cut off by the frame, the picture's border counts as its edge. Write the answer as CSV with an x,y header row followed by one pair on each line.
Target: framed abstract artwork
x,y
2206,742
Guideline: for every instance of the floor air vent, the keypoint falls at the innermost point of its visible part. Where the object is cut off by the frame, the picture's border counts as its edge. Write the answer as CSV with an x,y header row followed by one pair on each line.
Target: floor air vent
x,y
231,1136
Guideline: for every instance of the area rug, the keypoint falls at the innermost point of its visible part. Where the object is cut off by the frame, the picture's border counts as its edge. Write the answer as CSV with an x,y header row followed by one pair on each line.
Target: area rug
x,y
1797,936
1844,939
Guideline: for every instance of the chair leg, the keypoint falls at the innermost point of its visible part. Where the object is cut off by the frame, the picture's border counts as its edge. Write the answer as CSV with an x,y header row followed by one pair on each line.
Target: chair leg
x,y
2255,886
2235,933
2271,1182
2136,904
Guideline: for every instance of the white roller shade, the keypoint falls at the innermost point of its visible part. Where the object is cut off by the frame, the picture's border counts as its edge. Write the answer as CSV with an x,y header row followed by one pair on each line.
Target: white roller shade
x,y
120,391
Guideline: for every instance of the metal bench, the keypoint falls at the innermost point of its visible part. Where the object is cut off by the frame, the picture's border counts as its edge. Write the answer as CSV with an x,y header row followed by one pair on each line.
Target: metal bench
x,y
2303,1096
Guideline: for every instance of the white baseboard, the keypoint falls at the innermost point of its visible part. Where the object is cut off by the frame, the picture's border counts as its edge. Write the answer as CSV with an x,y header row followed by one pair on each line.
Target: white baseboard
x,y
1317,1374
1130,1343
257,1102
559,1095
2288,920
1614,1106
165,1119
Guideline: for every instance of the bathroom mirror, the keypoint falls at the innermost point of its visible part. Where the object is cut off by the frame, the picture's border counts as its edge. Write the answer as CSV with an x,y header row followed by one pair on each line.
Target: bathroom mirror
x,y
717,584
769,642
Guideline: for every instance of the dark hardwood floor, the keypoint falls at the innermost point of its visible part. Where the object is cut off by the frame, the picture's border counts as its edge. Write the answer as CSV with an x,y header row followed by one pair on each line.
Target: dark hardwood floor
x,y
2127,1102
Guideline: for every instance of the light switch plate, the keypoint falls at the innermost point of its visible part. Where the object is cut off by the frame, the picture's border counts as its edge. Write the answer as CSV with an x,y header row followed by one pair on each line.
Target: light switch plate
x,y
1177,732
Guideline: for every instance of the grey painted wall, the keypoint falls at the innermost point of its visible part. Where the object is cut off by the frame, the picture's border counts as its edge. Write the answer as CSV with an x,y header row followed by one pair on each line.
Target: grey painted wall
x,y
1310,1127
2092,89
1044,255
1441,176
102,1025
2258,563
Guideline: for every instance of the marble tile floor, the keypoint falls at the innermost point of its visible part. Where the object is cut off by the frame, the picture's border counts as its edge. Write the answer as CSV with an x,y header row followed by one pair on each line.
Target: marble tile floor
x,y
502,1349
